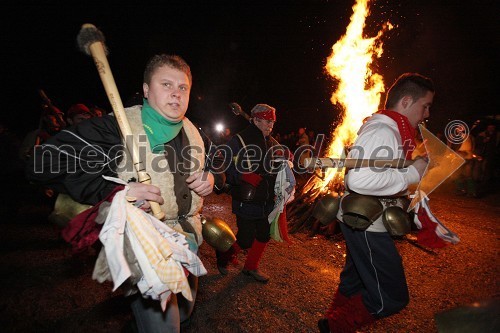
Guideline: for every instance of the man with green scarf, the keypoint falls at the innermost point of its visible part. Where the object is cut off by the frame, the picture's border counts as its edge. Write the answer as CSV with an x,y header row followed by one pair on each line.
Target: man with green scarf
x,y
171,148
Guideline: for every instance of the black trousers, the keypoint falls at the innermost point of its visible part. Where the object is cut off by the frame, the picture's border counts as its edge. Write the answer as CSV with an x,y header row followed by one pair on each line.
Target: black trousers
x,y
374,268
251,229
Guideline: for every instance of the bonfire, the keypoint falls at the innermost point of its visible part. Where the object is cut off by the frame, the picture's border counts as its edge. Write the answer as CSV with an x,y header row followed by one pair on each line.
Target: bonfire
x,y
357,94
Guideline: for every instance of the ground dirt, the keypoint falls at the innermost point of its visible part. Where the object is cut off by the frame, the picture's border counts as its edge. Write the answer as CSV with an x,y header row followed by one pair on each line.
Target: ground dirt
x,y
46,289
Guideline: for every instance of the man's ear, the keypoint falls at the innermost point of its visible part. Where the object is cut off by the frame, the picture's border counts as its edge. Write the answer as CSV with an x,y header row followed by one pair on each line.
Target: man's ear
x,y
406,101
69,121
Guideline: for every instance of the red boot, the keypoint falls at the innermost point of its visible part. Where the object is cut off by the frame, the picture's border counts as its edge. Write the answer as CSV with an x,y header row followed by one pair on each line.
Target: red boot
x,y
350,317
252,263
339,299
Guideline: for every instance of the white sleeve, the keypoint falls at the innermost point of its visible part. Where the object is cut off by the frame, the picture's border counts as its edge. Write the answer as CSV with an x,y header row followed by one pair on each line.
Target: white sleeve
x,y
379,142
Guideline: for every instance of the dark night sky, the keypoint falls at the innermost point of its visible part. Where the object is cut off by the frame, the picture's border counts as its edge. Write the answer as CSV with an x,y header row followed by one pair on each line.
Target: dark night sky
x,y
250,52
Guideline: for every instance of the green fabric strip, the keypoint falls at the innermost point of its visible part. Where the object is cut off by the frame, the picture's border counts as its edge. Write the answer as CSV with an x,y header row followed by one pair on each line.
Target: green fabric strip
x,y
158,129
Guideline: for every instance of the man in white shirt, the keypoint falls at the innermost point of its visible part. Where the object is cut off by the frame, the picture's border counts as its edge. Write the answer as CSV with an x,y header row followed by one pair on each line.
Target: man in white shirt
x,y
372,283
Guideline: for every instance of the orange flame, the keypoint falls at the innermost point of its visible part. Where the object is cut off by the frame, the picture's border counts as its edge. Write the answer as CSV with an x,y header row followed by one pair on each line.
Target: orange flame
x,y
358,90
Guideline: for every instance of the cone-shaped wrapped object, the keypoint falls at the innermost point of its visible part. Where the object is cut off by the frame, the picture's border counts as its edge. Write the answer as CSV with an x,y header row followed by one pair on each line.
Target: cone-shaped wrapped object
x,y
326,209
217,233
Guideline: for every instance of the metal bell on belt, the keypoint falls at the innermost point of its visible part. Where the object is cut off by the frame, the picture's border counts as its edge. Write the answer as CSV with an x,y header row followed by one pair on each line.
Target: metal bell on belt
x,y
396,221
217,233
360,211
65,209
326,209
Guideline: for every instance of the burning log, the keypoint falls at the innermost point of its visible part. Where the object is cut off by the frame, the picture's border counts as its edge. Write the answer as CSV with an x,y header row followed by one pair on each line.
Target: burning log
x,y
300,221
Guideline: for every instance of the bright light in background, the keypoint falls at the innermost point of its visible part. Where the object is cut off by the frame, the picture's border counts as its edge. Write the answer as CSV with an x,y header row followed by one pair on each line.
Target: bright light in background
x,y
219,127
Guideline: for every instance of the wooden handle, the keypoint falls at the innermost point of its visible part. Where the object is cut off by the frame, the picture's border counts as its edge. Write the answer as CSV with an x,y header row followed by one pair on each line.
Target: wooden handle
x,y
44,97
325,162
101,62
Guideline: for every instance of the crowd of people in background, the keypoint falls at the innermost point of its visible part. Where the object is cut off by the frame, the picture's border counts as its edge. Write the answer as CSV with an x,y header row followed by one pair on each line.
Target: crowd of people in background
x,y
52,121
294,139
479,147
302,142
480,150
18,149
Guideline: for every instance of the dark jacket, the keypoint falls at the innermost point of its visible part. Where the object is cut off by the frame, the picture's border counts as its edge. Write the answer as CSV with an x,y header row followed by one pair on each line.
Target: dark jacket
x,y
74,161
255,157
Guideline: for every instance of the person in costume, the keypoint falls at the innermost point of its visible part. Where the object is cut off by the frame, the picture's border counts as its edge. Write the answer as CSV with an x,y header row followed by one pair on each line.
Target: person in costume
x,y
78,113
372,282
76,160
251,176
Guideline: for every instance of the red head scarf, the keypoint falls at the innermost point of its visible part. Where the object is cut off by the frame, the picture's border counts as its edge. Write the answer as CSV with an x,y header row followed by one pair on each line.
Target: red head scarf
x,y
264,111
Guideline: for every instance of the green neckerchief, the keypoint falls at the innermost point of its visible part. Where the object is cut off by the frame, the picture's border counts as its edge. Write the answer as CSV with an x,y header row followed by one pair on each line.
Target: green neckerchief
x,y
158,129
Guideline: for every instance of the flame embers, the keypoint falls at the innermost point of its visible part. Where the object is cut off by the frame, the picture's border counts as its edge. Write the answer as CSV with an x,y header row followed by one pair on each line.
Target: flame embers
x,y
358,90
